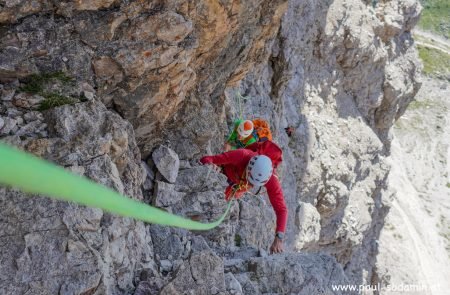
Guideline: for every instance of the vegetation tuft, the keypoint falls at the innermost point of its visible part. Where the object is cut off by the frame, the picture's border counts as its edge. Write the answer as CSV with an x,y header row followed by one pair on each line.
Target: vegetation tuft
x,y
420,104
53,100
436,17
435,62
36,84
237,240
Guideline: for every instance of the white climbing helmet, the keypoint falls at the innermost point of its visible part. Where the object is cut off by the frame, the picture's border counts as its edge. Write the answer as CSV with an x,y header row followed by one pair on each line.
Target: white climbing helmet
x,y
245,128
259,170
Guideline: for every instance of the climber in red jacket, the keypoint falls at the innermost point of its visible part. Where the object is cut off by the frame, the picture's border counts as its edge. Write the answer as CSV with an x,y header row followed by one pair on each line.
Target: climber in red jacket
x,y
253,166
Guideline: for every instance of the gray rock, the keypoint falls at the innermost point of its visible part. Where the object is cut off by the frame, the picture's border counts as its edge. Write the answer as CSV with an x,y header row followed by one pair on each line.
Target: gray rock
x,y
177,263
19,121
102,132
172,70
199,244
200,178
88,91
149,176
308,225
165,194
7,94
9,126
256,223
62,247
235,265
2,123
3,109
293,273
232,285
199,275
166,265
29,128
167,242
43,134
262,253
27,101
14,112
184,164
167,162
150,286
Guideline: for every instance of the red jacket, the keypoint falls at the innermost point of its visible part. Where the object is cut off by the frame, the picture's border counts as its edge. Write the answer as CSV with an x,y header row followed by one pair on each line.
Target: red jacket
x,y
235,163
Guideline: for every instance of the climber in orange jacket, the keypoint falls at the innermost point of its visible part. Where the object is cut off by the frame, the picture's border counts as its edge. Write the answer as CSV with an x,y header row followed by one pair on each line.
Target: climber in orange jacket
x,y
254,166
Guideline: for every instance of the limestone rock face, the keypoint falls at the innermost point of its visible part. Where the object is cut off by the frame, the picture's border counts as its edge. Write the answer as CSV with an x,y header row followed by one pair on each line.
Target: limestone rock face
x,y
167,162
147,56
330,77
149,75
201,274
307,220
292,274
51,246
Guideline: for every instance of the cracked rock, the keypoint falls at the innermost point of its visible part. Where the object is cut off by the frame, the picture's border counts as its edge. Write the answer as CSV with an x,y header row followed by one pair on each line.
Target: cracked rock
x,y
308,224
165,194
7,94
167,162
9,125
149,176
201,274
233,286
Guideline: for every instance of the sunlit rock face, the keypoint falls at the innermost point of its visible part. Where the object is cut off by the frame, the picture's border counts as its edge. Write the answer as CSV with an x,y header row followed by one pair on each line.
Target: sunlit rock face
x,y
157,84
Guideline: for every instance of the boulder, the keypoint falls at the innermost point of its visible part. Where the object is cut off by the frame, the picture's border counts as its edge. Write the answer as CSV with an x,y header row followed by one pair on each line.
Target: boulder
x,y
167,162
307,221
165,194
293,273
202,274
233,286
149,176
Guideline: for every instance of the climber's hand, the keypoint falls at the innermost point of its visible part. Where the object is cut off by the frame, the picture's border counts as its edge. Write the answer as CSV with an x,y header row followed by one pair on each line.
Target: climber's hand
x,y
227,147
228,196
208,161
216,168
289,130
277,246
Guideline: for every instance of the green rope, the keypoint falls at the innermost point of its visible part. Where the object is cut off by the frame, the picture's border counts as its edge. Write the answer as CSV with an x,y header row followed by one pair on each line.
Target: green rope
x,y
35,176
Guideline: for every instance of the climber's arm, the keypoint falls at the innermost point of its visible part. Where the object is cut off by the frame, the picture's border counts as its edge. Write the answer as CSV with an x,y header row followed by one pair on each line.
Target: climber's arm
x,y
224,158
276,198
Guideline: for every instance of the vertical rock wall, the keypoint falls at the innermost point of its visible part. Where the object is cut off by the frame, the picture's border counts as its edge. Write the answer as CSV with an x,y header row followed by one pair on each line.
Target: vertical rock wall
x,y
51,247
339,72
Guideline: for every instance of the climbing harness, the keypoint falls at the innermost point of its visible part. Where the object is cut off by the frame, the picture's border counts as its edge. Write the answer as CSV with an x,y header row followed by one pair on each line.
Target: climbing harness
x,y
238,187
35,176
243,186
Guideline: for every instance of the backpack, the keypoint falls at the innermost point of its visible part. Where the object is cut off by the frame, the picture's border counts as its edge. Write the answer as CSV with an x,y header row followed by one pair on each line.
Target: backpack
x,y
261,130
269,149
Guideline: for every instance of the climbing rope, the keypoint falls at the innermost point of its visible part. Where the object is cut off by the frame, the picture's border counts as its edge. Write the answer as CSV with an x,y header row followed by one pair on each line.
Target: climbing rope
x,y
238,100
239,103
35,176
